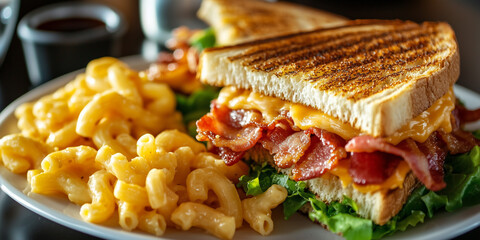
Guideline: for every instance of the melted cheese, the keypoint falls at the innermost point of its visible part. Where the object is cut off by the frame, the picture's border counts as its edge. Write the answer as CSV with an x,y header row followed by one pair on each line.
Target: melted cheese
x,y
394,181
436,117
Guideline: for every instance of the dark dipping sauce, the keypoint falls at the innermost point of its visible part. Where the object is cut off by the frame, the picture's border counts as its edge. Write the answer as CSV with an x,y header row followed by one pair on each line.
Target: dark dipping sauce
x,y
73,24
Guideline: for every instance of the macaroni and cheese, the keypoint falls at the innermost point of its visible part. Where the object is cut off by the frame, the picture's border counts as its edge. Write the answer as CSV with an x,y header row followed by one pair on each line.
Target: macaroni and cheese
x,y
112,142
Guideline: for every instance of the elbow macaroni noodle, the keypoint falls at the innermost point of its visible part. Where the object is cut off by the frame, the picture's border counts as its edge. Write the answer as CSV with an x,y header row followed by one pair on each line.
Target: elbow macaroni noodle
x,y
203,180
257,210
111,141
200,215
103,201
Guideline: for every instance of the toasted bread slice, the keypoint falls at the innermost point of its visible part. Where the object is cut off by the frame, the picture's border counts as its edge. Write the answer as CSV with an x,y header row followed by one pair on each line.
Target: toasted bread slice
x,y
375,75
236,21
377,206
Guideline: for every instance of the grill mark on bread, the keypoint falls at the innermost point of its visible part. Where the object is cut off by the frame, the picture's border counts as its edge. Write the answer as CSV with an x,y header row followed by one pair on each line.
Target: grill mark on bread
x,y
286,55
364,83
316,54
324,55
300,46
369,60
348,58
359,88
353,64
352,82
386,77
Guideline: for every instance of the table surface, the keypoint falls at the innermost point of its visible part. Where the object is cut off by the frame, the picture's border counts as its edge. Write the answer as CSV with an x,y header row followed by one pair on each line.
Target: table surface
x,y
16,222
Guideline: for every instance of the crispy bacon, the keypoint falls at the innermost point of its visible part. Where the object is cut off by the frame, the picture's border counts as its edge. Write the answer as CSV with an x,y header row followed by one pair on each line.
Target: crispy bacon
x,y
286,145
236,119
435,150
324,152
465,115
314,151
229,128
372,167
229,156
424,159
458,141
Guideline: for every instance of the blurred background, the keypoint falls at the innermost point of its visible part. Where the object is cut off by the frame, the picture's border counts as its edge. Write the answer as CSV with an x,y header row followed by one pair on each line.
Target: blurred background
x,y
17,222
463,15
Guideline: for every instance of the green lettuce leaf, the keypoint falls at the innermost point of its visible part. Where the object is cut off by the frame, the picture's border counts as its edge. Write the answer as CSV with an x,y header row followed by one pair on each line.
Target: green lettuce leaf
x,y
338,216
413,219
463,179
413,203
433,202
203,39
476,134
194,106
292,204
462,175
341,218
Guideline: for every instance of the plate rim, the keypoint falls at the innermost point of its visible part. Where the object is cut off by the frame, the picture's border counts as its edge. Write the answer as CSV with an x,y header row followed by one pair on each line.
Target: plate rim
x,y
108,232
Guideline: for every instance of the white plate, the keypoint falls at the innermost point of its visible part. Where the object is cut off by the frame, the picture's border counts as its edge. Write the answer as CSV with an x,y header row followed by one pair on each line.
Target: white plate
x,y
60,210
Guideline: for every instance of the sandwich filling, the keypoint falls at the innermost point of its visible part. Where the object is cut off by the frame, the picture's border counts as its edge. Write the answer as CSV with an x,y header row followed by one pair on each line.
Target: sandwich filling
x,y
315,144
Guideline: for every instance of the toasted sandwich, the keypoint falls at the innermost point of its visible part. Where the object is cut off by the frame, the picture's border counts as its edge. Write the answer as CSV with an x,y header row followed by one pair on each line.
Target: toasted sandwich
x,y
245,20
364,111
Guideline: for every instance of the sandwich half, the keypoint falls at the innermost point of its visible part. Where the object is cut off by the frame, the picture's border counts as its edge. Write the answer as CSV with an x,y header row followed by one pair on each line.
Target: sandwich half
x,y
365,110
236,21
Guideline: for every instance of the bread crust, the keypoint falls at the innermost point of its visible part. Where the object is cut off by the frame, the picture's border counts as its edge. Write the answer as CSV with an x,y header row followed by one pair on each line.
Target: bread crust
x,y
422,94
246,20
378,206
428,90
376,91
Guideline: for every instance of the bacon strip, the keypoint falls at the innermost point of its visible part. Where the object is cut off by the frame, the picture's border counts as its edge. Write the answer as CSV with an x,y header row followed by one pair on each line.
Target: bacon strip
x,y
286,145
458,141
325,150
372,167
465,115
229,156
314,151
423,160
229,128
435,150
